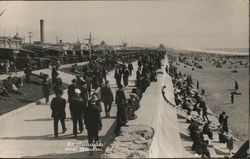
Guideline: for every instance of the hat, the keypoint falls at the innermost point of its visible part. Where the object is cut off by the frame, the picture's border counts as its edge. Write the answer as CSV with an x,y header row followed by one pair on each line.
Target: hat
x,y
78,91
94,98
134,90
73,81
132,95
78,76
59,92
83,82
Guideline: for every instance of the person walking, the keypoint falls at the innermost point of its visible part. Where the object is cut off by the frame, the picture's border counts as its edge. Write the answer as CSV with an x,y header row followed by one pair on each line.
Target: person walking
x,y
54,74
130,68
107,98
57,83
121,102
125,76
71,94
46,87
118,76
58,111
93,121
84,93
77,108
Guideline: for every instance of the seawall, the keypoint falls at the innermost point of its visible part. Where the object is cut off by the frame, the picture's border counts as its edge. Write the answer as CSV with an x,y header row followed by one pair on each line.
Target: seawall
x,y
155,131
162,117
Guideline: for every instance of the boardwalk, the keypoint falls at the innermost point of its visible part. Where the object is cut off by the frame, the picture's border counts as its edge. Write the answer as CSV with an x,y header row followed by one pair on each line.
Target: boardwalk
x,y
28,131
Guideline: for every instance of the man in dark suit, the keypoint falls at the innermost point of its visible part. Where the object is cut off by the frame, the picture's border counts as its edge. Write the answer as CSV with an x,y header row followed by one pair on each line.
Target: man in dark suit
x,y
93,121
130,68
58,111
28,72
46,87
125,76
77,108
122,106
71,93
57,83
107,97
84,92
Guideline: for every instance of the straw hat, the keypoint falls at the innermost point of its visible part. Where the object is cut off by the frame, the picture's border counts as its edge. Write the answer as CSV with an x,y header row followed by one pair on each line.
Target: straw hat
x,y
78,91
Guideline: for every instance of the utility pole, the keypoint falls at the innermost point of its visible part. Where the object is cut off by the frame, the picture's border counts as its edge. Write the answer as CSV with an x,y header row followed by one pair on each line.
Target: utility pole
x,y
90,43
30,36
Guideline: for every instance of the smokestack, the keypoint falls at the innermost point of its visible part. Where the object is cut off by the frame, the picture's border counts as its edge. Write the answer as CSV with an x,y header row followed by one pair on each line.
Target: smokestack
x,y
42,31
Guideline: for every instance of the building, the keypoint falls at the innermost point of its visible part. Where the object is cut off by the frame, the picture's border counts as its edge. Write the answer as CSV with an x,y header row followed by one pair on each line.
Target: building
x,y
11,42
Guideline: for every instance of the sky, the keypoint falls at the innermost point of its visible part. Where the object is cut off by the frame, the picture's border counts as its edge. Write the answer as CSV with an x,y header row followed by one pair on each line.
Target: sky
x,y
175,23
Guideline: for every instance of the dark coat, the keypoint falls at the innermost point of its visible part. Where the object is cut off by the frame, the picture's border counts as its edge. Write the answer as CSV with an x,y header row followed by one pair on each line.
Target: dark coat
x,y
77,106
225,125
71,92
92,118
58,83
58,107
130,66
120,97
107,95
46,86
221,118
84,94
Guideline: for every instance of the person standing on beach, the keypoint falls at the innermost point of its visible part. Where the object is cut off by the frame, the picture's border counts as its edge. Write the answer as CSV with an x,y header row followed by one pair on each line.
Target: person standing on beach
x,y
225,125
232,97
230,145
204,111
197,85
236,86
221,118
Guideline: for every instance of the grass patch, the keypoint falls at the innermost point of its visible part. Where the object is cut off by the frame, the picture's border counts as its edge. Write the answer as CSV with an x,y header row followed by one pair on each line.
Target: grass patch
x,y
31,92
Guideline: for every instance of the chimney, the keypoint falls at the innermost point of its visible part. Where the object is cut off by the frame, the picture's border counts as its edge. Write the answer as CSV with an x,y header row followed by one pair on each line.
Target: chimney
x,y
42,31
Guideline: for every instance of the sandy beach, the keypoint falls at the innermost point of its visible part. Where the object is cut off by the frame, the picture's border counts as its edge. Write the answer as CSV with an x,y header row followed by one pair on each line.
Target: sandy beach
x,y
218,83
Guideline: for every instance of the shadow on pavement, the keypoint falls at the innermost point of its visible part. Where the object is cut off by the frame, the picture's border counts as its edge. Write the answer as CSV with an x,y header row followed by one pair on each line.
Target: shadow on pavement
x,y
106,140
46,119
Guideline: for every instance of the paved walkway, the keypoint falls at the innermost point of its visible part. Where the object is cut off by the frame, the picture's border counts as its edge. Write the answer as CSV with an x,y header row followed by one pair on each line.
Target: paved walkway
x,y
28,131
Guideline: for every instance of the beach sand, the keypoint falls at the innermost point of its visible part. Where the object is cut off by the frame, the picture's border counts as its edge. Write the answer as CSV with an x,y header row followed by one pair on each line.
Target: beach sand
x,y
218,83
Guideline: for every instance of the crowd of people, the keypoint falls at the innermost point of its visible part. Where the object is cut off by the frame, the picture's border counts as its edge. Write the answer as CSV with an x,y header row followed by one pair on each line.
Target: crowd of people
x,y
6,67
188,98
10,85
90,88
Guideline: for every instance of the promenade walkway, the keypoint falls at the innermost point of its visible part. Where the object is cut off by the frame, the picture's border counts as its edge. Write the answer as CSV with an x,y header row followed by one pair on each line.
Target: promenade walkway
x,y
28,131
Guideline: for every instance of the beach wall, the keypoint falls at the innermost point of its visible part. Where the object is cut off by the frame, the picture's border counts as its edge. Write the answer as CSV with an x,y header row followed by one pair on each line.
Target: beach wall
x,y
160,116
